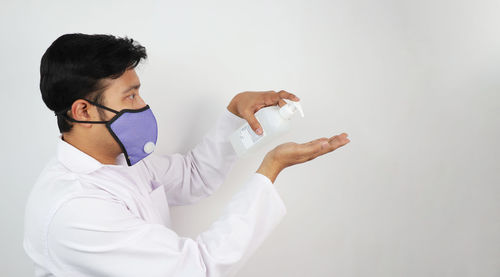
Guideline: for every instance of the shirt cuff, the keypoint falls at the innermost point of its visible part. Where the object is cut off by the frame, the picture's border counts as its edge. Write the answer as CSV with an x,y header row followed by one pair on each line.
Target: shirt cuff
x,y
264,178
266,182
232,119
226,125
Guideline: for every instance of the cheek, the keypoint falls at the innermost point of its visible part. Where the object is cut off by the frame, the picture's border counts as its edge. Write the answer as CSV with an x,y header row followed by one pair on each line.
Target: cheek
x,y
109,141
102,134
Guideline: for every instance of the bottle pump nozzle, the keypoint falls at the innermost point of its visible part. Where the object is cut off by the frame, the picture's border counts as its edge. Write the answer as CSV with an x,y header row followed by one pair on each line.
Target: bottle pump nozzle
x,y
290,108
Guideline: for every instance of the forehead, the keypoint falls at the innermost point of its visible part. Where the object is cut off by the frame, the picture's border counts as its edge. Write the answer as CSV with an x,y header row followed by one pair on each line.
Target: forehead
x,y
116,87
129,77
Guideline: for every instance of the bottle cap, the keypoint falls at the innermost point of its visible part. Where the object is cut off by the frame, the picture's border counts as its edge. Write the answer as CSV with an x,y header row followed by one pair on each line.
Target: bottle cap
x,y
290,108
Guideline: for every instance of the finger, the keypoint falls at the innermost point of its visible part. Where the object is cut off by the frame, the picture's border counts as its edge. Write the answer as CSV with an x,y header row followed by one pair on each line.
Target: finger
x,y
253,122
323,145
269,99
337,141
276,98
287,95
261,99
314,147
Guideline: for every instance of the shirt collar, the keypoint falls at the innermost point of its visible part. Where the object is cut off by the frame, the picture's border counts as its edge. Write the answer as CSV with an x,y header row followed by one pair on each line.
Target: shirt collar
x,y
80,162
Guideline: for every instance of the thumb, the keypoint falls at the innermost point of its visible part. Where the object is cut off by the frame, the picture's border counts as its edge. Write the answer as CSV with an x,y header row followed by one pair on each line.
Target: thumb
x,y
254,124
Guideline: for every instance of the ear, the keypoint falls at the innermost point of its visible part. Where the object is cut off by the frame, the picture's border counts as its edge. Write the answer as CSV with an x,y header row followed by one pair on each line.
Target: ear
x,y
81,110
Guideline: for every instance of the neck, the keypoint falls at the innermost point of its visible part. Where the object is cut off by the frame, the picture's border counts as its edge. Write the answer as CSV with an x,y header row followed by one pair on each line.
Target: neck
x,y
86,146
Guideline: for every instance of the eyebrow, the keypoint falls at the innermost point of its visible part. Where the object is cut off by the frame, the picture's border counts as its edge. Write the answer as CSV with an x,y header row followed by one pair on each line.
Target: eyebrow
x,y
131,88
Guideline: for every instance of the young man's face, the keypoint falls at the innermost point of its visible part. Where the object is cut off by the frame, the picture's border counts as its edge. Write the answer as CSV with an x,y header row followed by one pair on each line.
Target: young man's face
x,y
123,93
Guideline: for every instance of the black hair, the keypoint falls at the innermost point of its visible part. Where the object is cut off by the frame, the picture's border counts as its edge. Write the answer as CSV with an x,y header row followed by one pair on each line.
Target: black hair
x,y
76,66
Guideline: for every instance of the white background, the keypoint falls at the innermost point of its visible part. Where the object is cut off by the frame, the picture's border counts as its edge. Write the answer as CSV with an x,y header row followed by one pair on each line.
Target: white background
x,y
415,84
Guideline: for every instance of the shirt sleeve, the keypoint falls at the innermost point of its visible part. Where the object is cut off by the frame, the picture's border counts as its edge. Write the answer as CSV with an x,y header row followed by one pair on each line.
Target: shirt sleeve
x,y
94,236
199,173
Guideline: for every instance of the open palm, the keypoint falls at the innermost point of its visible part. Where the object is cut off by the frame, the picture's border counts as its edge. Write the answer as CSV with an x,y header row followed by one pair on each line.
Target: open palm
x,y
291,153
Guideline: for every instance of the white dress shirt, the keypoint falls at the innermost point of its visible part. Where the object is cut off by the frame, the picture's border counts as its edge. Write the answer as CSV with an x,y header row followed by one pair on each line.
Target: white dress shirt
x,y
84,218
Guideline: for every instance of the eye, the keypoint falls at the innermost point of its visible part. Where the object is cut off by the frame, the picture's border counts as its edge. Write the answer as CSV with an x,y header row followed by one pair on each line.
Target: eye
x,y
131,96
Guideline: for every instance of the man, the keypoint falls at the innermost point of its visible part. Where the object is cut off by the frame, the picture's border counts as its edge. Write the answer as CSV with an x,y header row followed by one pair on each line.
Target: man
x,y
101,206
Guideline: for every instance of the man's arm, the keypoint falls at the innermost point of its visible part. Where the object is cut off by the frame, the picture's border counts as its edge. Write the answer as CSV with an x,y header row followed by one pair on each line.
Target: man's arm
x,y
188,178
191,177
99,236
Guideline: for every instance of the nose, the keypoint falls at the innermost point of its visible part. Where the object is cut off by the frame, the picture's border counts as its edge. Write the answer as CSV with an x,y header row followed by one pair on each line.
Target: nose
x,y
141,102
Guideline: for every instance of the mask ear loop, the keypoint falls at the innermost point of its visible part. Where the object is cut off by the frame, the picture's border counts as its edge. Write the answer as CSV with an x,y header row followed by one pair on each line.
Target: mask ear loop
x,y
64,114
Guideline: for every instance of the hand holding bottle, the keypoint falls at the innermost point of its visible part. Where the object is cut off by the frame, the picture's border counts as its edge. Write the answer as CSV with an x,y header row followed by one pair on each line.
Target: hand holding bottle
x,y
291,153
246,104
274,121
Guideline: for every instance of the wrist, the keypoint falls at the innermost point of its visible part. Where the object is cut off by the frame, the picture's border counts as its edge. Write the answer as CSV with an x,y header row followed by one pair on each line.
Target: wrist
x,y
232,106
230,109
270,168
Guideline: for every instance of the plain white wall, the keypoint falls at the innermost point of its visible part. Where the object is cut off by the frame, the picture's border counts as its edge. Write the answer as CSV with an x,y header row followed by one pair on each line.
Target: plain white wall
x,y
415,84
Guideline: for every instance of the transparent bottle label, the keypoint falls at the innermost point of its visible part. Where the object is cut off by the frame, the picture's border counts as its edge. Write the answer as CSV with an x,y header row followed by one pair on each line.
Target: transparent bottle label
x,y
248,136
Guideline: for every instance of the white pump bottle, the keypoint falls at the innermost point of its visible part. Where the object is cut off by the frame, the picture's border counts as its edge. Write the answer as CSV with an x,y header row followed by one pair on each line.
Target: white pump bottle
x,y
274,120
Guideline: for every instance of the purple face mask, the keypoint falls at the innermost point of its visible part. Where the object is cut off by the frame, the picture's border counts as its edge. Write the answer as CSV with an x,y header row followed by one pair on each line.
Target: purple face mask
x,y
135,130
